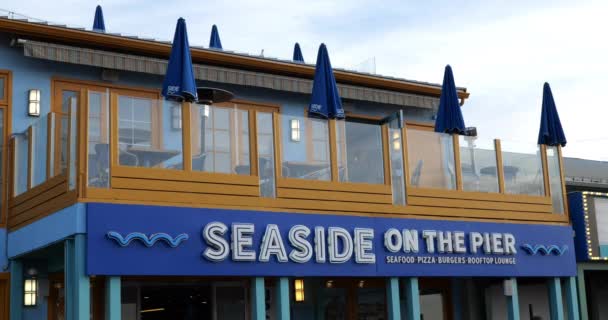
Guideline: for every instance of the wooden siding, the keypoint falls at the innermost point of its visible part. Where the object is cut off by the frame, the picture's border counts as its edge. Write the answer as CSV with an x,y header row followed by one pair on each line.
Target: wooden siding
x,y
40,201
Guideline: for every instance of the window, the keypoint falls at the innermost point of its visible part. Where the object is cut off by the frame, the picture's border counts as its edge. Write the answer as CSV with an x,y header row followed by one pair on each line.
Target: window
x,y
134,123
220,138
360,152
309,159
3,88
145,136
98,140
266,165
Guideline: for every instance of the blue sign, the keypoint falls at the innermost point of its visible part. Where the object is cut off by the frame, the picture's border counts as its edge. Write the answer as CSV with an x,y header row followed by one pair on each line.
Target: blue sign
x,y
156,240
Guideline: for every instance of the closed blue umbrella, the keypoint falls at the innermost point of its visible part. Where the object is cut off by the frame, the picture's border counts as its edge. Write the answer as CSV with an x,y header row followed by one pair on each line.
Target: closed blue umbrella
x,y
179,83
449,117
214,41
325,102
551,132
297,53
98,23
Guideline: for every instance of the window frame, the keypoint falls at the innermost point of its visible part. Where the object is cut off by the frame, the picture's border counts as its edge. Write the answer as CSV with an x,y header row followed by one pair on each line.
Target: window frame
x,y
5,106
156,119
333,147
252,108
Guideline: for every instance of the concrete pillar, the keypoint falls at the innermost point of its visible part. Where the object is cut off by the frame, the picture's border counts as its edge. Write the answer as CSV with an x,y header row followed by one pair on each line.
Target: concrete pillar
x,y
555,299
113,303
77,286
258,300
412,298
571,298
282,298
512,299
392,299
16,290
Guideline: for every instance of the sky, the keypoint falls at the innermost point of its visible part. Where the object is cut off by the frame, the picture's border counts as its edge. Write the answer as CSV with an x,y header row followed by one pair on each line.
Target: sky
x,y
501,51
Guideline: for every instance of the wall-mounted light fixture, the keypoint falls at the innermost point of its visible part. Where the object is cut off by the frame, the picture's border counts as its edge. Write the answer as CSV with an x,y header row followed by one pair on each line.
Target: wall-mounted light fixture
x,y
396,141
30,291
176,117
33,109
298,290
295,130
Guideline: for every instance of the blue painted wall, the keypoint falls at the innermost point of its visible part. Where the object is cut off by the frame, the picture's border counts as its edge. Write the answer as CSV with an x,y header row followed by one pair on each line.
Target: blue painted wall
x,y
50,229
3,253
577,215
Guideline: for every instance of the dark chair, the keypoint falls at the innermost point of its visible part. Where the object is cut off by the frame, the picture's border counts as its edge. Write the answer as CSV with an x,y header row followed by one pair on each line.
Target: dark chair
x,y
102,164
198,162
416,174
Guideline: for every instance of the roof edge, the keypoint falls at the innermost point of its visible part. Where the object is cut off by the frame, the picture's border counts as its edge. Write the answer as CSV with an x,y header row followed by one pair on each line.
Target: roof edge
x,y
212,57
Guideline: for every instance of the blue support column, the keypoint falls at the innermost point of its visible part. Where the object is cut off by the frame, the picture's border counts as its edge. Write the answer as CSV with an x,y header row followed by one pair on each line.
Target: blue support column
x,y
457,300
113,298
68,271
16,304
555,299
282,298
412,298
392,299
258,300
513,299
77,286
572,298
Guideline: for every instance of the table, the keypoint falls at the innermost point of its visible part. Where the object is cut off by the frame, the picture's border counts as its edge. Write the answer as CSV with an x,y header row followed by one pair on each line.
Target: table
x,y
300,169
150,157
509,171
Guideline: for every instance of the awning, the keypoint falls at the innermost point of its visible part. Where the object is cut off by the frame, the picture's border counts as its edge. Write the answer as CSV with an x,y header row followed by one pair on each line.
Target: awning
x,y
134,63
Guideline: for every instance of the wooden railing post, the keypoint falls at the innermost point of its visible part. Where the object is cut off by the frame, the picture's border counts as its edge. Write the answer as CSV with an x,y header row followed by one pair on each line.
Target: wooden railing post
x,y
457,166
543,157
499,166
563,181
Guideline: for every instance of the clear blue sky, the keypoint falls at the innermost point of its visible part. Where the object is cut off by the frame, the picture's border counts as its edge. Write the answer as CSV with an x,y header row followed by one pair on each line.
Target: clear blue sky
x,y
502,51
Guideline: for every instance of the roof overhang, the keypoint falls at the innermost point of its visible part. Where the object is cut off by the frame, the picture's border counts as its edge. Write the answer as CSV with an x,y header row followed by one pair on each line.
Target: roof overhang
x,y
133,45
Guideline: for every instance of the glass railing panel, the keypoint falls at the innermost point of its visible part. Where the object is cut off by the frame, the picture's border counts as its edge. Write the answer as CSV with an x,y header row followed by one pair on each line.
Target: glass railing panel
x,y
21,163
478,164
149,133
396,155
555,179
98,140
39,151
266,167
431,159
522,168
62,142
359,152
305,148
220,139
73,139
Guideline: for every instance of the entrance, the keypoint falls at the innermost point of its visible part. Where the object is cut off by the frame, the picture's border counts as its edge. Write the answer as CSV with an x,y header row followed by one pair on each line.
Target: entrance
x,y
435,299
342,299
365,299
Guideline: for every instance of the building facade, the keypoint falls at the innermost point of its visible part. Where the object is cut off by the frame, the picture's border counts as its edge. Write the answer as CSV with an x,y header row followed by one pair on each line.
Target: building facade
x,y
587,185
120,205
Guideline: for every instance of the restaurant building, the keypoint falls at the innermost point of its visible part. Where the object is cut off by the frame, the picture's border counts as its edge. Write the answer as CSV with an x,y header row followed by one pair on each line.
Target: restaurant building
x,y
118,204
587,186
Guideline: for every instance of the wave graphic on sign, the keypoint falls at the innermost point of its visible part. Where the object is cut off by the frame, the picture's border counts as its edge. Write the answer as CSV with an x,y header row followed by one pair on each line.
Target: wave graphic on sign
x,y
147,240
544,250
